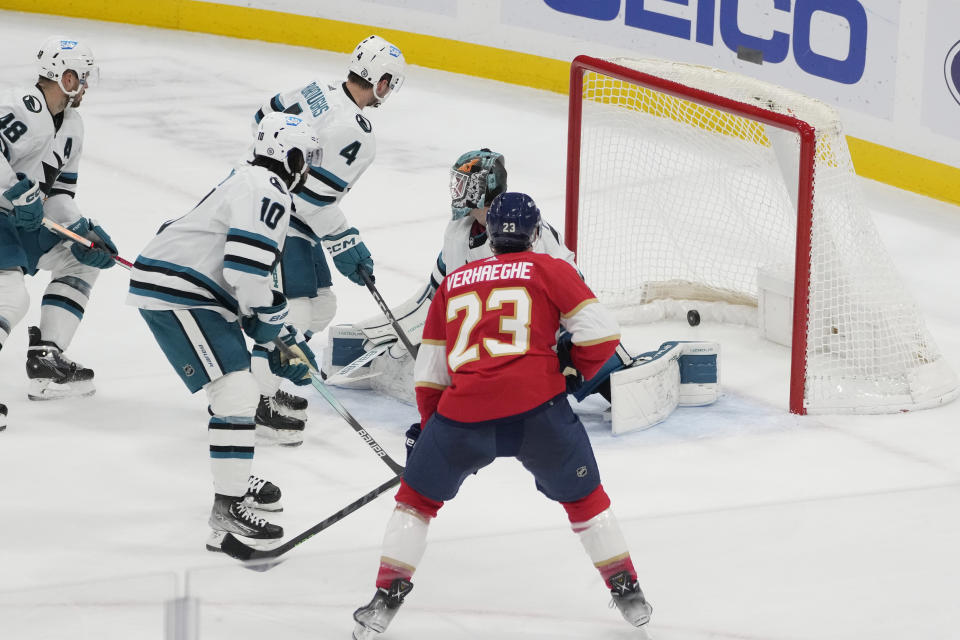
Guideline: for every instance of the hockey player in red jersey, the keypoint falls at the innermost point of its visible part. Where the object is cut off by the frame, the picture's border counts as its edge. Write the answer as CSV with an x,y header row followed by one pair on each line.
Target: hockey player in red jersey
x,y
491,331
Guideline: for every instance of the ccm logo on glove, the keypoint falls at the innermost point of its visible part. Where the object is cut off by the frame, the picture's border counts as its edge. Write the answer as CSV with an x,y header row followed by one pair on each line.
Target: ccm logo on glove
x,y
343,245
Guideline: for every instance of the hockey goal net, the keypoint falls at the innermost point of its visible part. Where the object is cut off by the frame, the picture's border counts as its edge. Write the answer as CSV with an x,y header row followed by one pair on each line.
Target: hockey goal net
x,y
684,181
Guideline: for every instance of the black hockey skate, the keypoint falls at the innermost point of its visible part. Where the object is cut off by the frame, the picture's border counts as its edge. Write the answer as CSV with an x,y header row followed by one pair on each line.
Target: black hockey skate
x,y
234,515
53,375
3,416
628,598
263,494
290,404
376,616
273,426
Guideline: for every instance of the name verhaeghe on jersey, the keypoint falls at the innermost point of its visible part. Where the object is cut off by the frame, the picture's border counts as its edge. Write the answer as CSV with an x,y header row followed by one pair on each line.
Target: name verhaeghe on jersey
x,y
488,272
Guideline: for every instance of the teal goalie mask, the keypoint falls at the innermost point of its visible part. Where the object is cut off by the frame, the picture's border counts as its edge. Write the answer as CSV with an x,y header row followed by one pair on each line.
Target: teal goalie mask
x,y
476,178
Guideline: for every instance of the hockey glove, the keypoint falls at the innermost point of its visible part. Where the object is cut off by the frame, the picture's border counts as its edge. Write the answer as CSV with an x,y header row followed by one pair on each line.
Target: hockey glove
x,y
296,369
266,322
99,256
349,254
411,437
27,203
573,378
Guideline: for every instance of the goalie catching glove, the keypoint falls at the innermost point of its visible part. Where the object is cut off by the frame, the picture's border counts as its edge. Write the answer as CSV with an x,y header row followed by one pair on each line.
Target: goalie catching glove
x,y
296,361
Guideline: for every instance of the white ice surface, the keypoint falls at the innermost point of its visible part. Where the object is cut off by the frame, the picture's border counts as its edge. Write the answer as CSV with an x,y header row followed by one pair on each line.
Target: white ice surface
x,y
744,521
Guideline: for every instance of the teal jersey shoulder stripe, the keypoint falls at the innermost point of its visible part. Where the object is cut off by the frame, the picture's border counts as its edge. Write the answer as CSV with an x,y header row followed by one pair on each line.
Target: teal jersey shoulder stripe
x,y
233,231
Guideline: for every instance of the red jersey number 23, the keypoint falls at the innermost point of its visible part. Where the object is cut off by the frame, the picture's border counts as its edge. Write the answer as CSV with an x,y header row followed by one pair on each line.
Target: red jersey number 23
x,y
466,348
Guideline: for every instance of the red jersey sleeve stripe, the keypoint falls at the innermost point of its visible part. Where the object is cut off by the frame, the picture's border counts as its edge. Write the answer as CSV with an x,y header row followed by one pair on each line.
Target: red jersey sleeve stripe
x,y
429,385
590,343
579,308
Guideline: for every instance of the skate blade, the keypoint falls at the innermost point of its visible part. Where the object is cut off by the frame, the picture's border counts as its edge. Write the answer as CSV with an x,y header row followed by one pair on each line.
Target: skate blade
x,y
48,390
273,508
642,633
282,437
215,540
299,414
361,632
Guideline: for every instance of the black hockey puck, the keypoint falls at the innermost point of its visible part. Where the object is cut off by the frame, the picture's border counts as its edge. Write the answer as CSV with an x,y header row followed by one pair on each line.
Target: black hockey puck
x,y
693,317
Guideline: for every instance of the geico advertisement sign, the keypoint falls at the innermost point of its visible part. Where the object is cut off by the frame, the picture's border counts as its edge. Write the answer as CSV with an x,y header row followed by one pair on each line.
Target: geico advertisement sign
x,y
941,68
823,47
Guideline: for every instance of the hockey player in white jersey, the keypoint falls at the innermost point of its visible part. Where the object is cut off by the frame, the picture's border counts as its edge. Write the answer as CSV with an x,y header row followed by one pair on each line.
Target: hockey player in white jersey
x,y
203,283
334,111
41,142
476,178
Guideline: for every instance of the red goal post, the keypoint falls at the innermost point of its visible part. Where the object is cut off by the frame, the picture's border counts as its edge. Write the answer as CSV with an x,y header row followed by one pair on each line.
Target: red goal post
x,y
660,153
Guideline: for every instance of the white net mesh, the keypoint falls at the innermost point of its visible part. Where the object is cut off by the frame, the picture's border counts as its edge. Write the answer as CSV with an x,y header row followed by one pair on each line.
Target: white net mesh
x,y
684,201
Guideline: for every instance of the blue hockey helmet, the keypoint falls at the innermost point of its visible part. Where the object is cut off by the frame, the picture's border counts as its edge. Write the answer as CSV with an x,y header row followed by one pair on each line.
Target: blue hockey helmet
x,y
476,178
512,222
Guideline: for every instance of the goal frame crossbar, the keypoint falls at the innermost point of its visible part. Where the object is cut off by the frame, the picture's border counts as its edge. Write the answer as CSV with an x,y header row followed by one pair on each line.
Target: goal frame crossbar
x,y
808,148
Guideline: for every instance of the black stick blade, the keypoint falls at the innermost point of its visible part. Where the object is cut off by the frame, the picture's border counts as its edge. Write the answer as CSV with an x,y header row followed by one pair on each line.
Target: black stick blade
x,y
236,549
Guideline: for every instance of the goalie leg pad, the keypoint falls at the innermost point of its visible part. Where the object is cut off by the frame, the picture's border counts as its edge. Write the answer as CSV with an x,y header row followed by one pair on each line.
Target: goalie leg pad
x,y
676,374
645,394
699,373
396,375
345,344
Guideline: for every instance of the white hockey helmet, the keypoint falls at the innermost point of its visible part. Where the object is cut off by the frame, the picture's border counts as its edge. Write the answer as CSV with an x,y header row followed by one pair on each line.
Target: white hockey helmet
x,y
289,140
374,58
58,55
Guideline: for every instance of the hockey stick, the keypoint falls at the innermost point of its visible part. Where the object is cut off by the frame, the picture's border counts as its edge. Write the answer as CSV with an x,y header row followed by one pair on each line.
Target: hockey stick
x,y
339,408
76,237
236,549
86,242
345,374
368,280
